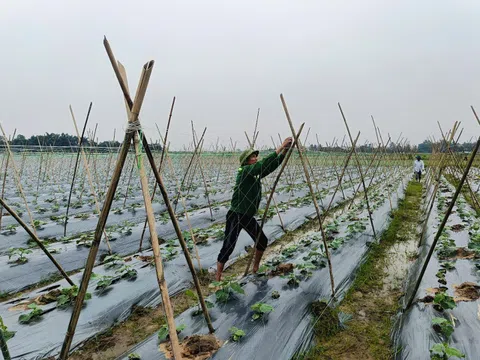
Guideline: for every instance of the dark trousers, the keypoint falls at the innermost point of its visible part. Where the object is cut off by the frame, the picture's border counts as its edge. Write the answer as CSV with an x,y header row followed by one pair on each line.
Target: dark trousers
x,y
235,223
418,175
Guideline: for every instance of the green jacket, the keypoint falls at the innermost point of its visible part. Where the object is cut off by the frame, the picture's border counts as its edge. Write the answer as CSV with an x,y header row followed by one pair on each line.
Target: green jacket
x,y
247,192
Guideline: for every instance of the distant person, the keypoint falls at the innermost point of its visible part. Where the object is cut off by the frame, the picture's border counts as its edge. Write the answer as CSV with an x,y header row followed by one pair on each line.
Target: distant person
x,y
247,194
418,168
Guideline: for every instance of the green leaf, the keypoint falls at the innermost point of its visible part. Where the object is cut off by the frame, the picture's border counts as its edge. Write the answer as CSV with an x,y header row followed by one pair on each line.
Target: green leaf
x,y
256,316
265,308
62,300
163,333
24,319
191,294
237,288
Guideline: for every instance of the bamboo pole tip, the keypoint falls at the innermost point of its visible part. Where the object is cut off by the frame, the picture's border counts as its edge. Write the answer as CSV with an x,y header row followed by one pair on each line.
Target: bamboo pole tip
x,y
149,65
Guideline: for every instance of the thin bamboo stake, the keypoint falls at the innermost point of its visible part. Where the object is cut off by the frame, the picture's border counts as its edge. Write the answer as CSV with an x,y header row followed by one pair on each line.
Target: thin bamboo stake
x,y
442,225
5,178
36,239
159,167
89,176
133,111
312,193
365,192
102,219
75,170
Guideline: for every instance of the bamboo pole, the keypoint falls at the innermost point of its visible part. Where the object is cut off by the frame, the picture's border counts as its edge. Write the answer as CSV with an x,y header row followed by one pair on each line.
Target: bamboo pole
x,y
102,219
36,239
159,166
443,223
133,111
75,170
365,192
89,176
312,193
5,178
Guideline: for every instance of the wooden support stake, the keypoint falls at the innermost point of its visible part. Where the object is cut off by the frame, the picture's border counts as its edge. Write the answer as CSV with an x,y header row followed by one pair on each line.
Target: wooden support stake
x,y
312,193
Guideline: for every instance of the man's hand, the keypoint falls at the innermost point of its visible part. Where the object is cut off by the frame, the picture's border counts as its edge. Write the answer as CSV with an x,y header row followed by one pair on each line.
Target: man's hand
x,y
287,143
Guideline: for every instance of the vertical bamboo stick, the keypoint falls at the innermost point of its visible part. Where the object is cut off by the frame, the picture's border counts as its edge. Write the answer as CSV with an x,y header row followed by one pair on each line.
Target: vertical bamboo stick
x,y
312,193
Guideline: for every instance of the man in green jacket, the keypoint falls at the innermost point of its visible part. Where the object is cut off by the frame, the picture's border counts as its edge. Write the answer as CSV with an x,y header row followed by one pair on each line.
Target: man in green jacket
x,y
247,194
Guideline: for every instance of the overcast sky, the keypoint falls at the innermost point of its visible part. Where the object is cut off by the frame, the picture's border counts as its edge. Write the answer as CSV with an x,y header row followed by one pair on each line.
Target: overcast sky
x,y
407,63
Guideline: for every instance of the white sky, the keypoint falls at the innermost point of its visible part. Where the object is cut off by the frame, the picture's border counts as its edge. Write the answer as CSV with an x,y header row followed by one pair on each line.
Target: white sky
x,y
407,63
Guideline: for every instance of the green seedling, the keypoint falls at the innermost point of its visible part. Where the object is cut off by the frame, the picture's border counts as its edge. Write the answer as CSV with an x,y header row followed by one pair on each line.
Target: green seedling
x,y
443,326
104,281
289,251
19,255
68,295
117,211
198,309
114,260
7,335
36,313
38,224
82,216
85,240
163,332
127,272
260,309
275,294
444,352
293,279
226,288
236,334
442,301
134,356
10,229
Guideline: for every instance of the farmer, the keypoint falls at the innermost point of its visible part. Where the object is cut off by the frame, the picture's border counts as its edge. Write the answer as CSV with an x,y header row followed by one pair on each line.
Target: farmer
x,y
246,198
418,167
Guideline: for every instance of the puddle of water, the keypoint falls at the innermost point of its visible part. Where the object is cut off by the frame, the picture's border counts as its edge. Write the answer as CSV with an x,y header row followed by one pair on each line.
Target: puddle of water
x,y
398,260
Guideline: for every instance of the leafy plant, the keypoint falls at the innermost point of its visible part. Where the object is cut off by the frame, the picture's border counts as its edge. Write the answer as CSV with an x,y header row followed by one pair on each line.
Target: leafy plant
x,y
443,326
275,294
198,309
10,229
290,251
293,279
32,315
112,261
260,309
85,240
38,224
163,332
7,335
19,255
82,216
127,272
134,356
104,281
68,295
227,287
236,334
444,352
444,301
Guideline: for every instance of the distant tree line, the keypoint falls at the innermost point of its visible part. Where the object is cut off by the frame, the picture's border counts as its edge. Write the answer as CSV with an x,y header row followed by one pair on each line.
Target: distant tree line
x,y
427,146
391,147
63,142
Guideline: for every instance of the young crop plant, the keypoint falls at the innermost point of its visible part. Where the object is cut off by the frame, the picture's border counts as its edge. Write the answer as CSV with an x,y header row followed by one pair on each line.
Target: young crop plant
x,y
34,314
444,352
127,272
68,295
19,255
293,279
442,301
226,288
85,240
260,309
82,216
7,335
38,224
236,334
198,309
104,281
443,326
114,260
10,229
163,332
134,356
